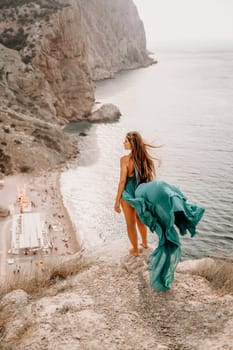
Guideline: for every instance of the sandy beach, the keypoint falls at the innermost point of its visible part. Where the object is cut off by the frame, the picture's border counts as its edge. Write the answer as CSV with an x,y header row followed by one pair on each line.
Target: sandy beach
x,y
44,193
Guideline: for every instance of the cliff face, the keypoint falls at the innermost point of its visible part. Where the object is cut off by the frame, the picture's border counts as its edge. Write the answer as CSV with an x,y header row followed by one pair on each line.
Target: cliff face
x,y
46,61
115,37
51,51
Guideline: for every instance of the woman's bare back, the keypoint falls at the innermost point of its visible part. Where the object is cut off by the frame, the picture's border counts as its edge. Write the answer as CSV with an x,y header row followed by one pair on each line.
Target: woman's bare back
x,y
130,166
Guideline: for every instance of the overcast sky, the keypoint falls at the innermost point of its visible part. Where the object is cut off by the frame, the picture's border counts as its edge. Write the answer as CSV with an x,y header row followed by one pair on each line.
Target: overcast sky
x,y
187,20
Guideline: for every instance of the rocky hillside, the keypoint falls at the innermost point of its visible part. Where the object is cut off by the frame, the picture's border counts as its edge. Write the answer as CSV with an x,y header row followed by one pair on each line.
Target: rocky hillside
x,y
28,144
51,51
110,305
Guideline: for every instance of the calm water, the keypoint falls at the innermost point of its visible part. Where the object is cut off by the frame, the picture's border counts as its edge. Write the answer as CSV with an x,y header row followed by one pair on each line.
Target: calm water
x,y
185,104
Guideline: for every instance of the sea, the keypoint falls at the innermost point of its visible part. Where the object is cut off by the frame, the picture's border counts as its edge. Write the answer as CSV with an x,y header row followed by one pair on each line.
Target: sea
x,y
184,105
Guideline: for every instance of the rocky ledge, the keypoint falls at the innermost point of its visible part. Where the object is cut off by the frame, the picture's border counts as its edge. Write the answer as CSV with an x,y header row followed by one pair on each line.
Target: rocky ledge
x,y
109,304
28,144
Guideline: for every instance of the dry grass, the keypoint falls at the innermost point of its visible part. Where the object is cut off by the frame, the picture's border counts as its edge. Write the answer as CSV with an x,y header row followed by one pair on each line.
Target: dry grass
x,y
218,272
49,279
21,331
41,278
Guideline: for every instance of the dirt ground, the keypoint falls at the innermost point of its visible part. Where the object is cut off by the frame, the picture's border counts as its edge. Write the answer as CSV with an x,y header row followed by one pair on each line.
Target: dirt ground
x,y
110,305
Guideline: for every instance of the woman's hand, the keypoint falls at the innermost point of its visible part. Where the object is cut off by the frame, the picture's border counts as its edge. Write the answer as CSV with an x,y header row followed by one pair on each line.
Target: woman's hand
x,y
117,207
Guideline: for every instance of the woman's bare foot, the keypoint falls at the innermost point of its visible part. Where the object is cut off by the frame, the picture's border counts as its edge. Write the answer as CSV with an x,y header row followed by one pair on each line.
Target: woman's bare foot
x,y
144,245
135,252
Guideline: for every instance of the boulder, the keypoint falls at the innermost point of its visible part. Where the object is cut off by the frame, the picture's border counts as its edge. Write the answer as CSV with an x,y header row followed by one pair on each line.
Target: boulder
x,y
106,113
16,298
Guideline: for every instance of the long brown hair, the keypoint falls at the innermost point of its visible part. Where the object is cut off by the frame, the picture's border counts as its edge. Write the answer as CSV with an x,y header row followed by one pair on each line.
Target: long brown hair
x,y
143,161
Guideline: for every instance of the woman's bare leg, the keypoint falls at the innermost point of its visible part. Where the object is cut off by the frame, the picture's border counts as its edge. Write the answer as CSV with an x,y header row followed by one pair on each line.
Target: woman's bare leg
x,y
130,218
143,231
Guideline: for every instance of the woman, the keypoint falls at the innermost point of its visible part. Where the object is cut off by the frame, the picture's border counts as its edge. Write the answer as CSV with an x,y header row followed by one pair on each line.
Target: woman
x,y
154,204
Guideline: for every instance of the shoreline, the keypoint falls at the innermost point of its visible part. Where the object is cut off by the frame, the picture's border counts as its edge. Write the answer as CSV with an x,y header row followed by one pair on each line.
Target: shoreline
x,y
77,244
44,192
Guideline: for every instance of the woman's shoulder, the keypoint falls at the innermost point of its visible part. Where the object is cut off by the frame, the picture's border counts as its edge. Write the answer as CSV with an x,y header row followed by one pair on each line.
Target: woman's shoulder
x,y
125,159
127,163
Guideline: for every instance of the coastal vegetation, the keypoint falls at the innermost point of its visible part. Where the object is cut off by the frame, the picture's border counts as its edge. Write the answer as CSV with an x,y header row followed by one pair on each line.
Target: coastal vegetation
x,y
218,272
50,4
41,276
13,40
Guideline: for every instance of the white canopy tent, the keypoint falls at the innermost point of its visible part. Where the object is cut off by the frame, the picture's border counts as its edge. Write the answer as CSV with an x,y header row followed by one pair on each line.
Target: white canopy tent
x,y
27,232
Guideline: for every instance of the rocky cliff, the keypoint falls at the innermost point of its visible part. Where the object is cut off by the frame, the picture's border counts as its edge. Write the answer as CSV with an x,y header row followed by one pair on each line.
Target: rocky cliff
x,y
115,37
51,51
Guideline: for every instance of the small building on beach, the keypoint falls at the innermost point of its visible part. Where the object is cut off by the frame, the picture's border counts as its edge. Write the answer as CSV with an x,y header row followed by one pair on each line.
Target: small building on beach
x,y
27,232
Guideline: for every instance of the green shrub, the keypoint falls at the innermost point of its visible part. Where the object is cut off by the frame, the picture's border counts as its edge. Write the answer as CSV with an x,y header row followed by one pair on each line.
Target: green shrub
x,y
50,4
12,40
27,59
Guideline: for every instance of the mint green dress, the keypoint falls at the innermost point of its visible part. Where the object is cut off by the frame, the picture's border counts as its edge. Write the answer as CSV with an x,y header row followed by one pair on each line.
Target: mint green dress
x,y
164,209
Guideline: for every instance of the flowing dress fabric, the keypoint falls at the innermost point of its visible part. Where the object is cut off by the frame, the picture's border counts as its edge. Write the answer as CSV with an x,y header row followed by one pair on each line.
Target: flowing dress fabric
x,y
164,209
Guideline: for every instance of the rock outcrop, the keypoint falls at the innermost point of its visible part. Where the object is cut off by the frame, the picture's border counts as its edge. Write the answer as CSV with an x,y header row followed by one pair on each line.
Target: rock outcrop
x,y
51,52
28,143
110,305
107,113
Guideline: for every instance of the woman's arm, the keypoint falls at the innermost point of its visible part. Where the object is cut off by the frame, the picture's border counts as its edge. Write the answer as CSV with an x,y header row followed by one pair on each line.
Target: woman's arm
x,y
121,185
